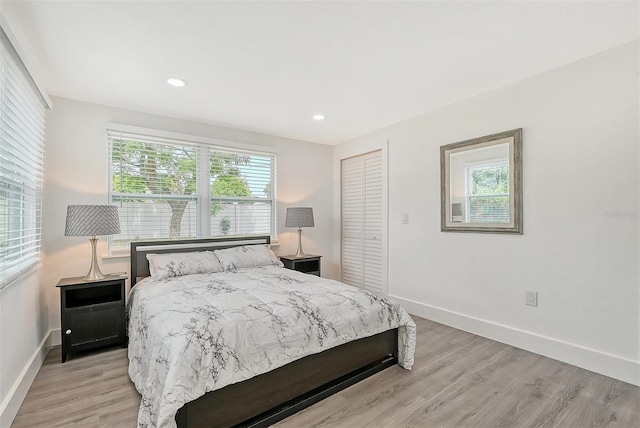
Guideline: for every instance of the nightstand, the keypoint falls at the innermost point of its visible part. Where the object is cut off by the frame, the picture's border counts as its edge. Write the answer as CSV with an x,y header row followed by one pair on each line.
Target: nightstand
x,y
307,264
92,313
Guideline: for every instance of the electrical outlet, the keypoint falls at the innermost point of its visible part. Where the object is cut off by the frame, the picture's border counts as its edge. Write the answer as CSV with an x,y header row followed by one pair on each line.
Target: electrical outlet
x,y
405,218
531,298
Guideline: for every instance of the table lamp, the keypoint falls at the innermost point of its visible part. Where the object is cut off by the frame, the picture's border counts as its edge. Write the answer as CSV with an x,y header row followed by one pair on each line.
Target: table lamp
x,y
92,220
299,217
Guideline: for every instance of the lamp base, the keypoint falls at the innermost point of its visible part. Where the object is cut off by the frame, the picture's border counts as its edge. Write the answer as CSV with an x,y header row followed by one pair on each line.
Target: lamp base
x,y
94,270
300,253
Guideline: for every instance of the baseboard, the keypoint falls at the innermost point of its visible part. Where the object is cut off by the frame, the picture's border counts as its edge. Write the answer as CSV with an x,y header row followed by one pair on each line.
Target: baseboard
x,y
614,366
17,393
55,338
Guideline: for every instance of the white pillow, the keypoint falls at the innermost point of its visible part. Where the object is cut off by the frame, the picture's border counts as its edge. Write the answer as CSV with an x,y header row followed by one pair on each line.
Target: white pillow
x,y
168,265
247,256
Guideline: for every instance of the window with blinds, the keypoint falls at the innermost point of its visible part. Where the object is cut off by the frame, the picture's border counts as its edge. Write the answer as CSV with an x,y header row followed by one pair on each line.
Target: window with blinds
x,y
171,189
21,165
488,193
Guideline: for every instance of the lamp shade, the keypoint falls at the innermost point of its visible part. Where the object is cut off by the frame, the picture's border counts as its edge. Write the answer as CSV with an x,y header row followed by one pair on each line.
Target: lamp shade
x,y
299,217
92,220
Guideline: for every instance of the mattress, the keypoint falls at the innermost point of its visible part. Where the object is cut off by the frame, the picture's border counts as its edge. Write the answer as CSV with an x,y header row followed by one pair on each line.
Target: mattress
x,y
197,333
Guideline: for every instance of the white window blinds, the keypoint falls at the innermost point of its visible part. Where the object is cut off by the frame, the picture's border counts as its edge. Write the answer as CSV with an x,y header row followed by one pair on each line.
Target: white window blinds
x,y
168,188
21,165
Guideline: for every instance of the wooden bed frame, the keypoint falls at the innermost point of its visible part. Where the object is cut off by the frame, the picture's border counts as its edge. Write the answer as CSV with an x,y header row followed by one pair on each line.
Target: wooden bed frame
x,y
268,398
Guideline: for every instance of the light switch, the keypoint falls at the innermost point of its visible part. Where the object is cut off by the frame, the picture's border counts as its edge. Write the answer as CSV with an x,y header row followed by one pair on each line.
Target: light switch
x,y
405,218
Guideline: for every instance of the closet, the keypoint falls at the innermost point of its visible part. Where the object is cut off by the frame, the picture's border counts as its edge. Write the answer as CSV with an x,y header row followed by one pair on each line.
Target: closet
x,y
363,222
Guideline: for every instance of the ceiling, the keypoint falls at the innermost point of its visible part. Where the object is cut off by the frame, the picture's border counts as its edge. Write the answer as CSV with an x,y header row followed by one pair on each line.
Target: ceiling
x,y
269,66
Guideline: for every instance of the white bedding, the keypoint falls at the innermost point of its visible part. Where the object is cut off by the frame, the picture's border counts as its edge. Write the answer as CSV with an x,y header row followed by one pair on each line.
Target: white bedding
x,y
193,334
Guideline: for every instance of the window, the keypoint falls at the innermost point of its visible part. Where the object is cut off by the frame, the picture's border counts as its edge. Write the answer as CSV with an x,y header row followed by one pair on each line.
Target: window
x,y
488,193
21,164
174,188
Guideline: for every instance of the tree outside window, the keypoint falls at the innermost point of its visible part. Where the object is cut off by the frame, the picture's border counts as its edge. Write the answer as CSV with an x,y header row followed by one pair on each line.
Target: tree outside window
x,y
160,188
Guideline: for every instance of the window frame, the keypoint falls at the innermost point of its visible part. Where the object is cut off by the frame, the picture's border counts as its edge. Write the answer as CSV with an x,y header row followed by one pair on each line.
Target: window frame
x,y
205,147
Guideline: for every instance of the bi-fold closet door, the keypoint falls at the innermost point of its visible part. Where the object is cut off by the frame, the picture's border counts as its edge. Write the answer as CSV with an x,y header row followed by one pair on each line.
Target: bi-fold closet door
x,y
363,215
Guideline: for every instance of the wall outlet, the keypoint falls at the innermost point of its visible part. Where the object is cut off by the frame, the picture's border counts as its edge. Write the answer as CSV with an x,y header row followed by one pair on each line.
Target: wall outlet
x,y
405,218
531,298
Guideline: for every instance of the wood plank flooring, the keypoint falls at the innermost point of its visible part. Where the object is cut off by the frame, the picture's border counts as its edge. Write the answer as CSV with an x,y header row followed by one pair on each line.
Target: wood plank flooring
x,y
459,380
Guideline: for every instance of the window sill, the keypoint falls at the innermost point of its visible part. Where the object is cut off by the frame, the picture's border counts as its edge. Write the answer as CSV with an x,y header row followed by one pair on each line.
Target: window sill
x,y
115,256
20,276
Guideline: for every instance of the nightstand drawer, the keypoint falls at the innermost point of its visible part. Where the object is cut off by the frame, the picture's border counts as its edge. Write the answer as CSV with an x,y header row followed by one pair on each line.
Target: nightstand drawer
x,y
96,323
307,264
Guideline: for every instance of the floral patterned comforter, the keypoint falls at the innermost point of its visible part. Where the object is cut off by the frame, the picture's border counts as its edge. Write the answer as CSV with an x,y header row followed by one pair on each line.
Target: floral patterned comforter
x,y
193,334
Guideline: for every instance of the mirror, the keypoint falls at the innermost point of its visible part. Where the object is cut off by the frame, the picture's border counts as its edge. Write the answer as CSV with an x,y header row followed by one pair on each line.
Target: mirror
x,y
481,184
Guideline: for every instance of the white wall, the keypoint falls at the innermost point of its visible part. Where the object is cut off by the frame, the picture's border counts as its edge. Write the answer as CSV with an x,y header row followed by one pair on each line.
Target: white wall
x,y
76,172
24,331
581,217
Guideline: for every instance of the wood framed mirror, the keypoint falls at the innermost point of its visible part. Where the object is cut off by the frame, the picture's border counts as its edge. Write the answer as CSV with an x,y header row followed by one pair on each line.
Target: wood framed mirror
x,y
481,184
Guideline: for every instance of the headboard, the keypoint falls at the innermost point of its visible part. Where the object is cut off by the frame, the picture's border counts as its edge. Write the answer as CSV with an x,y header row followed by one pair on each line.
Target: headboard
x,y
140,249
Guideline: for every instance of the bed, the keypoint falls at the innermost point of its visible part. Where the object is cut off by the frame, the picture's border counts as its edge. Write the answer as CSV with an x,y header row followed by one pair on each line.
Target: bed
x,y
248,345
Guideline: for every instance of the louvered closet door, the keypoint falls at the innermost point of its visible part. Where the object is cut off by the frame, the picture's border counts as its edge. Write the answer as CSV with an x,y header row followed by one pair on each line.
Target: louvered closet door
x,y
352,221
363,259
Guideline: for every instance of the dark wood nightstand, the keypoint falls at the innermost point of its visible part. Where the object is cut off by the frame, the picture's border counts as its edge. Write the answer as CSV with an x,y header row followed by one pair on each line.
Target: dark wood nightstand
x,y
308,264
92,313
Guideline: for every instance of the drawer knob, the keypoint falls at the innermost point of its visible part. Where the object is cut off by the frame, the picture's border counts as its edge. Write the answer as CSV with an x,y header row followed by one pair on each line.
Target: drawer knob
x,y
68,331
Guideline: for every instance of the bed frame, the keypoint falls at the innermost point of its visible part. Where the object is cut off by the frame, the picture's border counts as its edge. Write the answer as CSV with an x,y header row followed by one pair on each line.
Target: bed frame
x,y
268,398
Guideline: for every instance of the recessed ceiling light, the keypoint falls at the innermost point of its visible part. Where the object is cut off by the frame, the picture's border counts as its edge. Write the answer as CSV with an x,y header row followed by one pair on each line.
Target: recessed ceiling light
x,y
174,81
318,117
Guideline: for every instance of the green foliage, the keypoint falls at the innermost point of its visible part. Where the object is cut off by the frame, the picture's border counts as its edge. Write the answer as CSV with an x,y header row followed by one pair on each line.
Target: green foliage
x,y
489,194
225,225
490,180
140,167
230,184
129,184
145,168
228,181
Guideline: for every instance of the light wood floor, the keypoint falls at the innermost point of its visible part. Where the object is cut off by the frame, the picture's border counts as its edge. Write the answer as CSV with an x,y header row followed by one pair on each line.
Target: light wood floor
x,y
459,380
